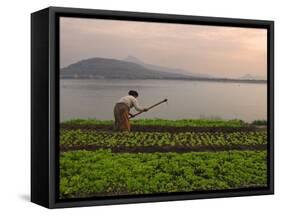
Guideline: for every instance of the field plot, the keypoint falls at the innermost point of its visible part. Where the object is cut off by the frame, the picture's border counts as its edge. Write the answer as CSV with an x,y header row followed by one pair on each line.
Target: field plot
x,y
160,156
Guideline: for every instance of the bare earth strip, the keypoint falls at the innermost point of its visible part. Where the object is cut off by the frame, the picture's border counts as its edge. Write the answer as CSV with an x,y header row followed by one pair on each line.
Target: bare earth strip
x,y
167,148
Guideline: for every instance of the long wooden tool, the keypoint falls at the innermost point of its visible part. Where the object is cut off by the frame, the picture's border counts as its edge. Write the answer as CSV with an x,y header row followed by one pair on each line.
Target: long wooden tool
x,y
154,105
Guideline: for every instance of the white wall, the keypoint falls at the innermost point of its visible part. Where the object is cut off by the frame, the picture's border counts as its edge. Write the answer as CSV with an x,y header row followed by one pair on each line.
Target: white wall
x,y
15,106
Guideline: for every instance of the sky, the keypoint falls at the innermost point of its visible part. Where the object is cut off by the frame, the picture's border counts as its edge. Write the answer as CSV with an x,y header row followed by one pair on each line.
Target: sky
x,y
229,52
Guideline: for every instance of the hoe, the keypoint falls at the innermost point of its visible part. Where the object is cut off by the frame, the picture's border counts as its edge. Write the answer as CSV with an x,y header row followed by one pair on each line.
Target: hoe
x,y
154,105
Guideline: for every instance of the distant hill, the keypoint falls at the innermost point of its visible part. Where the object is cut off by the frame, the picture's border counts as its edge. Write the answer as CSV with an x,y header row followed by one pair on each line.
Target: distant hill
x,y
133,68
114,69
251,77
134,59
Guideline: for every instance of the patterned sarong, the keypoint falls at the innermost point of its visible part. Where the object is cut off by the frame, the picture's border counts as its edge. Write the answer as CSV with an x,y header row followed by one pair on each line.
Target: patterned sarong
x,y
121,115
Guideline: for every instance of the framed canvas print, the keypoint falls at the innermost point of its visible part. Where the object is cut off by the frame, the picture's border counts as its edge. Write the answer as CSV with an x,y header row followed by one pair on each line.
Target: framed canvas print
x,y
140,107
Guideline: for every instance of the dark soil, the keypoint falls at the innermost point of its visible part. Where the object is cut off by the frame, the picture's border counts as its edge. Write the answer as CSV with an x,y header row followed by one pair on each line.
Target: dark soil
x,y
166,148
154,128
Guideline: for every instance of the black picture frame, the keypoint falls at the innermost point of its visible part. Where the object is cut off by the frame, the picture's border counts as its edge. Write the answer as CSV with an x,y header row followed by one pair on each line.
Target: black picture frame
x,y
45,104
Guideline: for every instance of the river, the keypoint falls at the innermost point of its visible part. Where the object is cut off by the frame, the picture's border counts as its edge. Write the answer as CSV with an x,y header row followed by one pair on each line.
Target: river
x,y
90,98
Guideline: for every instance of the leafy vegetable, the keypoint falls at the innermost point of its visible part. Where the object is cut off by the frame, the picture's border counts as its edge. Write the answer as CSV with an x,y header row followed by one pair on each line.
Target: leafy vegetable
x,y
102,173
109,139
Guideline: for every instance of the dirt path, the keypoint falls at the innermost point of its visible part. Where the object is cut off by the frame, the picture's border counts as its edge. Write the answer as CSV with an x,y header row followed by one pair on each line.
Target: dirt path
x,y
167,148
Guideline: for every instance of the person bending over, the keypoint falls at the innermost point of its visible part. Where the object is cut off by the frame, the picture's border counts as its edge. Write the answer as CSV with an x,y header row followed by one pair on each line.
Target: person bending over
x,y
122,111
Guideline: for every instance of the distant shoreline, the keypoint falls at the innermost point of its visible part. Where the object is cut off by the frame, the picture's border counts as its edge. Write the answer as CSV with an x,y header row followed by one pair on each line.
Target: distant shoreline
x,y
183,79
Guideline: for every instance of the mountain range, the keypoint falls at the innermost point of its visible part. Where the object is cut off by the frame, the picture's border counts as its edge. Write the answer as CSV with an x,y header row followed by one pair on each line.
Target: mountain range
x,y
133,68
134,59
117,69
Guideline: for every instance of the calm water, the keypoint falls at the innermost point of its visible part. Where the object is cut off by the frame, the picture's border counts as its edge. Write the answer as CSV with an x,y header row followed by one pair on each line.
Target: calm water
x,y
186,99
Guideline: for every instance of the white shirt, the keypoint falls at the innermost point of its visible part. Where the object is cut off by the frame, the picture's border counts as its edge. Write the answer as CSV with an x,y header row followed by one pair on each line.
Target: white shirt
x,y
131,101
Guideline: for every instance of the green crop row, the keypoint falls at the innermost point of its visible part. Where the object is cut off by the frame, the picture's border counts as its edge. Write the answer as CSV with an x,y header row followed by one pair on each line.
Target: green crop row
x,y
100,173
107,139
163,122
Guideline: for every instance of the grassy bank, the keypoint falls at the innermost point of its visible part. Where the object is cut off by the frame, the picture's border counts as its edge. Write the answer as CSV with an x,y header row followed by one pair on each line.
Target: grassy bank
x,y
164,122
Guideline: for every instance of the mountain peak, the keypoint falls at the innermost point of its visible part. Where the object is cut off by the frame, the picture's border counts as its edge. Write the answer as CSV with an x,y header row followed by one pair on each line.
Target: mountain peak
x,y
133,59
